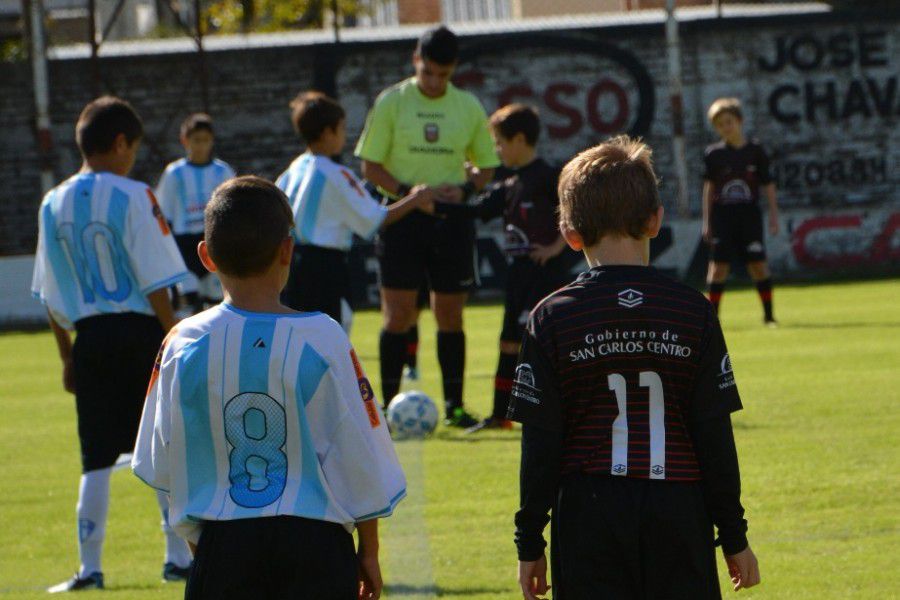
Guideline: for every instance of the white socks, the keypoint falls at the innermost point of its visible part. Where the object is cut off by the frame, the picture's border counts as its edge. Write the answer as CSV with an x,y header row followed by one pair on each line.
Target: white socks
x,y
177,550
92,508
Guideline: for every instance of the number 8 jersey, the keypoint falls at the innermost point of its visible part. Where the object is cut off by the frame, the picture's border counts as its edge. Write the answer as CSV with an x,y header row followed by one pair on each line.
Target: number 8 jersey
x,y
103,245
255,415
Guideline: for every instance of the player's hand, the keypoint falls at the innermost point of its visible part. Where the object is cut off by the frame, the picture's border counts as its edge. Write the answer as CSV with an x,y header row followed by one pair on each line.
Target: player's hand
x,y
541,254
68,375
533,578
424,198
743,569
774,226
450,193
706,232
369,575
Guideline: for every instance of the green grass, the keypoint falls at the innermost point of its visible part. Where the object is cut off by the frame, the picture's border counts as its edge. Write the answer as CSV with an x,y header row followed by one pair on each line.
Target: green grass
x,y
817,441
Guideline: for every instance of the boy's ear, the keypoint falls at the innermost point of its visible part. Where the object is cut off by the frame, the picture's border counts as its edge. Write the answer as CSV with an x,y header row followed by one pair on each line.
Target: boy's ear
x,y
120,144
286,251
573,239
654,223
205,258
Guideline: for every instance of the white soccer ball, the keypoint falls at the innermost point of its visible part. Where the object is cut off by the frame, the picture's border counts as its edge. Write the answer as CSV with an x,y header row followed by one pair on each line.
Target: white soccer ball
x,y
412,415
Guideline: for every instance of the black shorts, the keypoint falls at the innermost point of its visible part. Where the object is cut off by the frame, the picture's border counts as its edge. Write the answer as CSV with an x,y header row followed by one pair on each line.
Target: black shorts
x,y
273,558
737,234
112,359
187,245
421,249
527,283
625,539
319,280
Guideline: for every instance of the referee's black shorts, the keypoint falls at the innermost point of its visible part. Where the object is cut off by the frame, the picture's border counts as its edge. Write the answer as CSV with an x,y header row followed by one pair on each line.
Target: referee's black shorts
x,y
273,558
319,280
633,539
421,249
112,359
527,283
737,233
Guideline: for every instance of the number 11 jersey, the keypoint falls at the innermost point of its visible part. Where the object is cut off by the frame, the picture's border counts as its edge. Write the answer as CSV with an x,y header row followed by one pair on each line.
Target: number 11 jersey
x,y
622,361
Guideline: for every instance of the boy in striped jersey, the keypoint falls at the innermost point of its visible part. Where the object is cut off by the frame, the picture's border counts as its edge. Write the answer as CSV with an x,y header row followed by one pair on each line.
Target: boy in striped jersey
x,y
262,428
330,205
104,261
625,390
183,191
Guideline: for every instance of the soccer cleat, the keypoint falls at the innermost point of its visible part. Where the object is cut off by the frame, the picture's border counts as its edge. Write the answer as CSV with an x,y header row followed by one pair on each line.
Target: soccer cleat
x,y
489,423
94,581
411,373
172,572
460,418
770,323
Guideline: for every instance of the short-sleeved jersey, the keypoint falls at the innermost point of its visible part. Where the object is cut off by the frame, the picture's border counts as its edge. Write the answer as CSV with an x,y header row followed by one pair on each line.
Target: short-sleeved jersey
x,y
103,245
622,360
184,190
330,204
427,140
255,415
528,200
736,173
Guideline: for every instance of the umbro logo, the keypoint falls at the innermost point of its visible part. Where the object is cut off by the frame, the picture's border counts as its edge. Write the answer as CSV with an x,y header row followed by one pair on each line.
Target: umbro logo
x,y
259,343
657,470
619,469
630,298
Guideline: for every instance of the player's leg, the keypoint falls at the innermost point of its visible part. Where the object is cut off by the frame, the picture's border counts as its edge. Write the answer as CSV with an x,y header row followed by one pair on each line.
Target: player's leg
x,y
599,535
677,548
451,351
721,253
398,308
411,371
757,267
716,275
401,250
177,562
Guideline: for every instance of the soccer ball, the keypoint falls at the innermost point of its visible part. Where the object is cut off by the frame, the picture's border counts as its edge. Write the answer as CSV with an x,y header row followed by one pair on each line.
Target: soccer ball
x,y
412,415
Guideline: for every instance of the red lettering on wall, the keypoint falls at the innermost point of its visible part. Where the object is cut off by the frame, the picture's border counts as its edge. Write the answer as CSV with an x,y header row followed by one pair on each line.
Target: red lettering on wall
x,y
597,121
879,251
555,104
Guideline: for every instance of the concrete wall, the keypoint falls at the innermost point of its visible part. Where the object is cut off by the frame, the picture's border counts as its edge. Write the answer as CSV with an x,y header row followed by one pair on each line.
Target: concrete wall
x,y
821,92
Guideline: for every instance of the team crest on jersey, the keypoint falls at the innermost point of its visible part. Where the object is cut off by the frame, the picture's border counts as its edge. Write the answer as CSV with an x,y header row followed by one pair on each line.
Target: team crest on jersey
x,y
630,298
432,132
366,392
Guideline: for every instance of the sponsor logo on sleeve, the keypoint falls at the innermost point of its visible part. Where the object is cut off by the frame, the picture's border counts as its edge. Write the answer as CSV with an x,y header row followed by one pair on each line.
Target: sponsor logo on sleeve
x,y
366,392
726,373
157,364
158,213
524,385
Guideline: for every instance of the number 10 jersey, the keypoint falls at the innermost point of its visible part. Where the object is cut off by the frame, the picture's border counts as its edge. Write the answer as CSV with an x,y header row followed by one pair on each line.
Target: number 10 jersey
x,y
254,415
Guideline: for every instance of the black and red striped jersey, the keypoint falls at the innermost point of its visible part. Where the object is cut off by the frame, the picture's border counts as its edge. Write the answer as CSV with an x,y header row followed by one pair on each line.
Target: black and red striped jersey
x,y
736,173
622,360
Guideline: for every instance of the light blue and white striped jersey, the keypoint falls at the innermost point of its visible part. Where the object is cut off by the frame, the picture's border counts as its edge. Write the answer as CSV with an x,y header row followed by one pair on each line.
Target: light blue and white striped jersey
x,y
256,415
103,245
184,190
330,204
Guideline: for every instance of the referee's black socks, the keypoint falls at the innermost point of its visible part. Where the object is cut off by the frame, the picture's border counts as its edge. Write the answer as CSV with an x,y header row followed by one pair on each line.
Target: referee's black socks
x,y
451,351
392,354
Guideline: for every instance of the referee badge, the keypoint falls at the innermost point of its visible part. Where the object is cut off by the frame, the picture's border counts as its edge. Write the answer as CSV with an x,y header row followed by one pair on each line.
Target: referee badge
x,y
432,132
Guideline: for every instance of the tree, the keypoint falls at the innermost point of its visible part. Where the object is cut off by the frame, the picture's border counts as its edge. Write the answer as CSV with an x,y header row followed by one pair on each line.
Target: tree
x,y
229,16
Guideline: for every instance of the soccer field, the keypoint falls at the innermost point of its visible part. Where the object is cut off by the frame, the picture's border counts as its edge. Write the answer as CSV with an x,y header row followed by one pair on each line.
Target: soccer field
x,y
817,440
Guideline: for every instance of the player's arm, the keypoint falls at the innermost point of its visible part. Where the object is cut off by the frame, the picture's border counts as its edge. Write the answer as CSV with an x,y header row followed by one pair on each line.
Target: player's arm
x,y
768,186
64,345
488,205
541,254
707,210
162,308
714,398
367,555
420,197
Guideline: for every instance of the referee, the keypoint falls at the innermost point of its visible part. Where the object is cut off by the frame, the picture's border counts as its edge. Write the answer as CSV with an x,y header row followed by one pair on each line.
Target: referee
x,y
423,130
